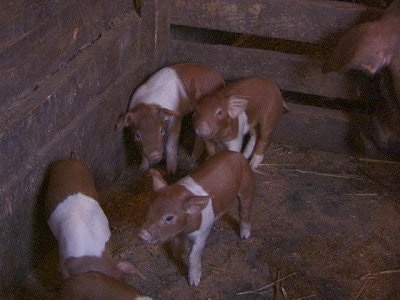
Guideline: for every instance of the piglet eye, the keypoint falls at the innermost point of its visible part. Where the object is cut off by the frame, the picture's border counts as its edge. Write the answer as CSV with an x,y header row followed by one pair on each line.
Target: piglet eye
x,y
162,131
169,219
219,113
137,136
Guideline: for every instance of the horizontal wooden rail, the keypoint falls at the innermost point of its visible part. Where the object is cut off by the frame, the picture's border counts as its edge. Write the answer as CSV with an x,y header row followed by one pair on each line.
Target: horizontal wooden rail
x,y
296,73
310,21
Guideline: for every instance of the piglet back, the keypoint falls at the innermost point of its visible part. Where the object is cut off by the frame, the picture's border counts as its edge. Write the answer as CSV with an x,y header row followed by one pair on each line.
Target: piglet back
x,y
93,285
198,79
65,178
226,168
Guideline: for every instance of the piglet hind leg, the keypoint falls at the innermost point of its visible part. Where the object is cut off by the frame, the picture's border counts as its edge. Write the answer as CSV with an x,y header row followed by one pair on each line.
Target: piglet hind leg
x,y
265,130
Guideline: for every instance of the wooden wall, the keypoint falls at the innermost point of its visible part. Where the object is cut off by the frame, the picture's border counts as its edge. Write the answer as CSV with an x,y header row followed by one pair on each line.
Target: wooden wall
x,y
287,41
67,70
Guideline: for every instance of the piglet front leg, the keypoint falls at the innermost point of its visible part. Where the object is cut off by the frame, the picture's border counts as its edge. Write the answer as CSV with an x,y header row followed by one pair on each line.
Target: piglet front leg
x,y
198,241
195,263
171,148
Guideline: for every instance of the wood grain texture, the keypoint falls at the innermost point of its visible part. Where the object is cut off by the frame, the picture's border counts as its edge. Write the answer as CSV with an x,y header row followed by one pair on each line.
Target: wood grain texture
x,y
50,43
298,20
316,128
155,32
296,73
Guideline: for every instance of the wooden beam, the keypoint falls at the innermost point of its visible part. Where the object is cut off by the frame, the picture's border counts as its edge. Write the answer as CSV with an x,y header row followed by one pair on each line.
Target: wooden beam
x,y
155,33
316,128
66,94
51,43
296,73
310,21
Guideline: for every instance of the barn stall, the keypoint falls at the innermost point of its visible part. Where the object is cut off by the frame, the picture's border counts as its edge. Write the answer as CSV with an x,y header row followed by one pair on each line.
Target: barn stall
x,y
326,217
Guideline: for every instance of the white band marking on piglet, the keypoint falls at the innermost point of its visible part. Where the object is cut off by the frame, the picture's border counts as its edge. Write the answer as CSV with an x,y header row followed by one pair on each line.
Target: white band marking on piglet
x,y
189,183
80,226
199,236
207,214
243,128
164,88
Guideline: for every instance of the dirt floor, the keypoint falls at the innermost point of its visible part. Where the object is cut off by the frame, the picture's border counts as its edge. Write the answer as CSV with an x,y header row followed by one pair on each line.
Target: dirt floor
x,y
325,226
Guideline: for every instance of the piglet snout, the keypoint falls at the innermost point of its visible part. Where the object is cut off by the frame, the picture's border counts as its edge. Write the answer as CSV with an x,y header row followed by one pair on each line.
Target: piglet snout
x,y
145,235
155,156
203,130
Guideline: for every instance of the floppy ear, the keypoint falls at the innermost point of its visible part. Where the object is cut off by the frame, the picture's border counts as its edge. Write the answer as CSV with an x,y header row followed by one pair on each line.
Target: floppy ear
x,y
237,104
124,120
128,268
366,47
195,205
167,114
158,180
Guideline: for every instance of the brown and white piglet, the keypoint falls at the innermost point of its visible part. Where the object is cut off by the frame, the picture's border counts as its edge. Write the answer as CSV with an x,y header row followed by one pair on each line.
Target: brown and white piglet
x,y
157,107
192,205
78,222
373,47
94,285
252,105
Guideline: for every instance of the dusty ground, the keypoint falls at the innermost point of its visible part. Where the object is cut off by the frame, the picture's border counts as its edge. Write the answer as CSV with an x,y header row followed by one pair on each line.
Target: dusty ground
x,y
321,223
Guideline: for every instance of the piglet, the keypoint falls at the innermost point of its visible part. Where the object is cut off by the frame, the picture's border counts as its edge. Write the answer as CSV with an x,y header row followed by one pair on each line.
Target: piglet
x,y
94,285
252,105
79,224
194,203
157,107
373,47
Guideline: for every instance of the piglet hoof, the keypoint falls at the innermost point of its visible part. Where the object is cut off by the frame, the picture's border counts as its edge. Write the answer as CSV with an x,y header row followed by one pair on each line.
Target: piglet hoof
x,y
194,276
245,230
256,161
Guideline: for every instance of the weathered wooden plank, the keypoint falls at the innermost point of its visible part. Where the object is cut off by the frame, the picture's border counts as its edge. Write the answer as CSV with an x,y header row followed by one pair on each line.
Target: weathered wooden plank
x,y
298,20
296,73
155,32
19,18
52,45
47,111
316,128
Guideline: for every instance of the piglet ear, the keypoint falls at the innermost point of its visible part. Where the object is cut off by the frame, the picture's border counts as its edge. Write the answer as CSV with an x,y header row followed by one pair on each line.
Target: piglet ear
x,y
127,268
195,205
237,105
124,120
167,114
158,180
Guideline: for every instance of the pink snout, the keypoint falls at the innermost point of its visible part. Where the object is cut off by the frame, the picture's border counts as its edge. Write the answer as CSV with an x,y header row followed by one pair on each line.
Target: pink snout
x,y
155,156
203,130
145,235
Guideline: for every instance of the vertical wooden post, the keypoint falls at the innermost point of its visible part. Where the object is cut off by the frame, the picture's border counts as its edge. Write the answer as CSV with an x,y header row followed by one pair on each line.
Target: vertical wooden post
x,y
155,34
